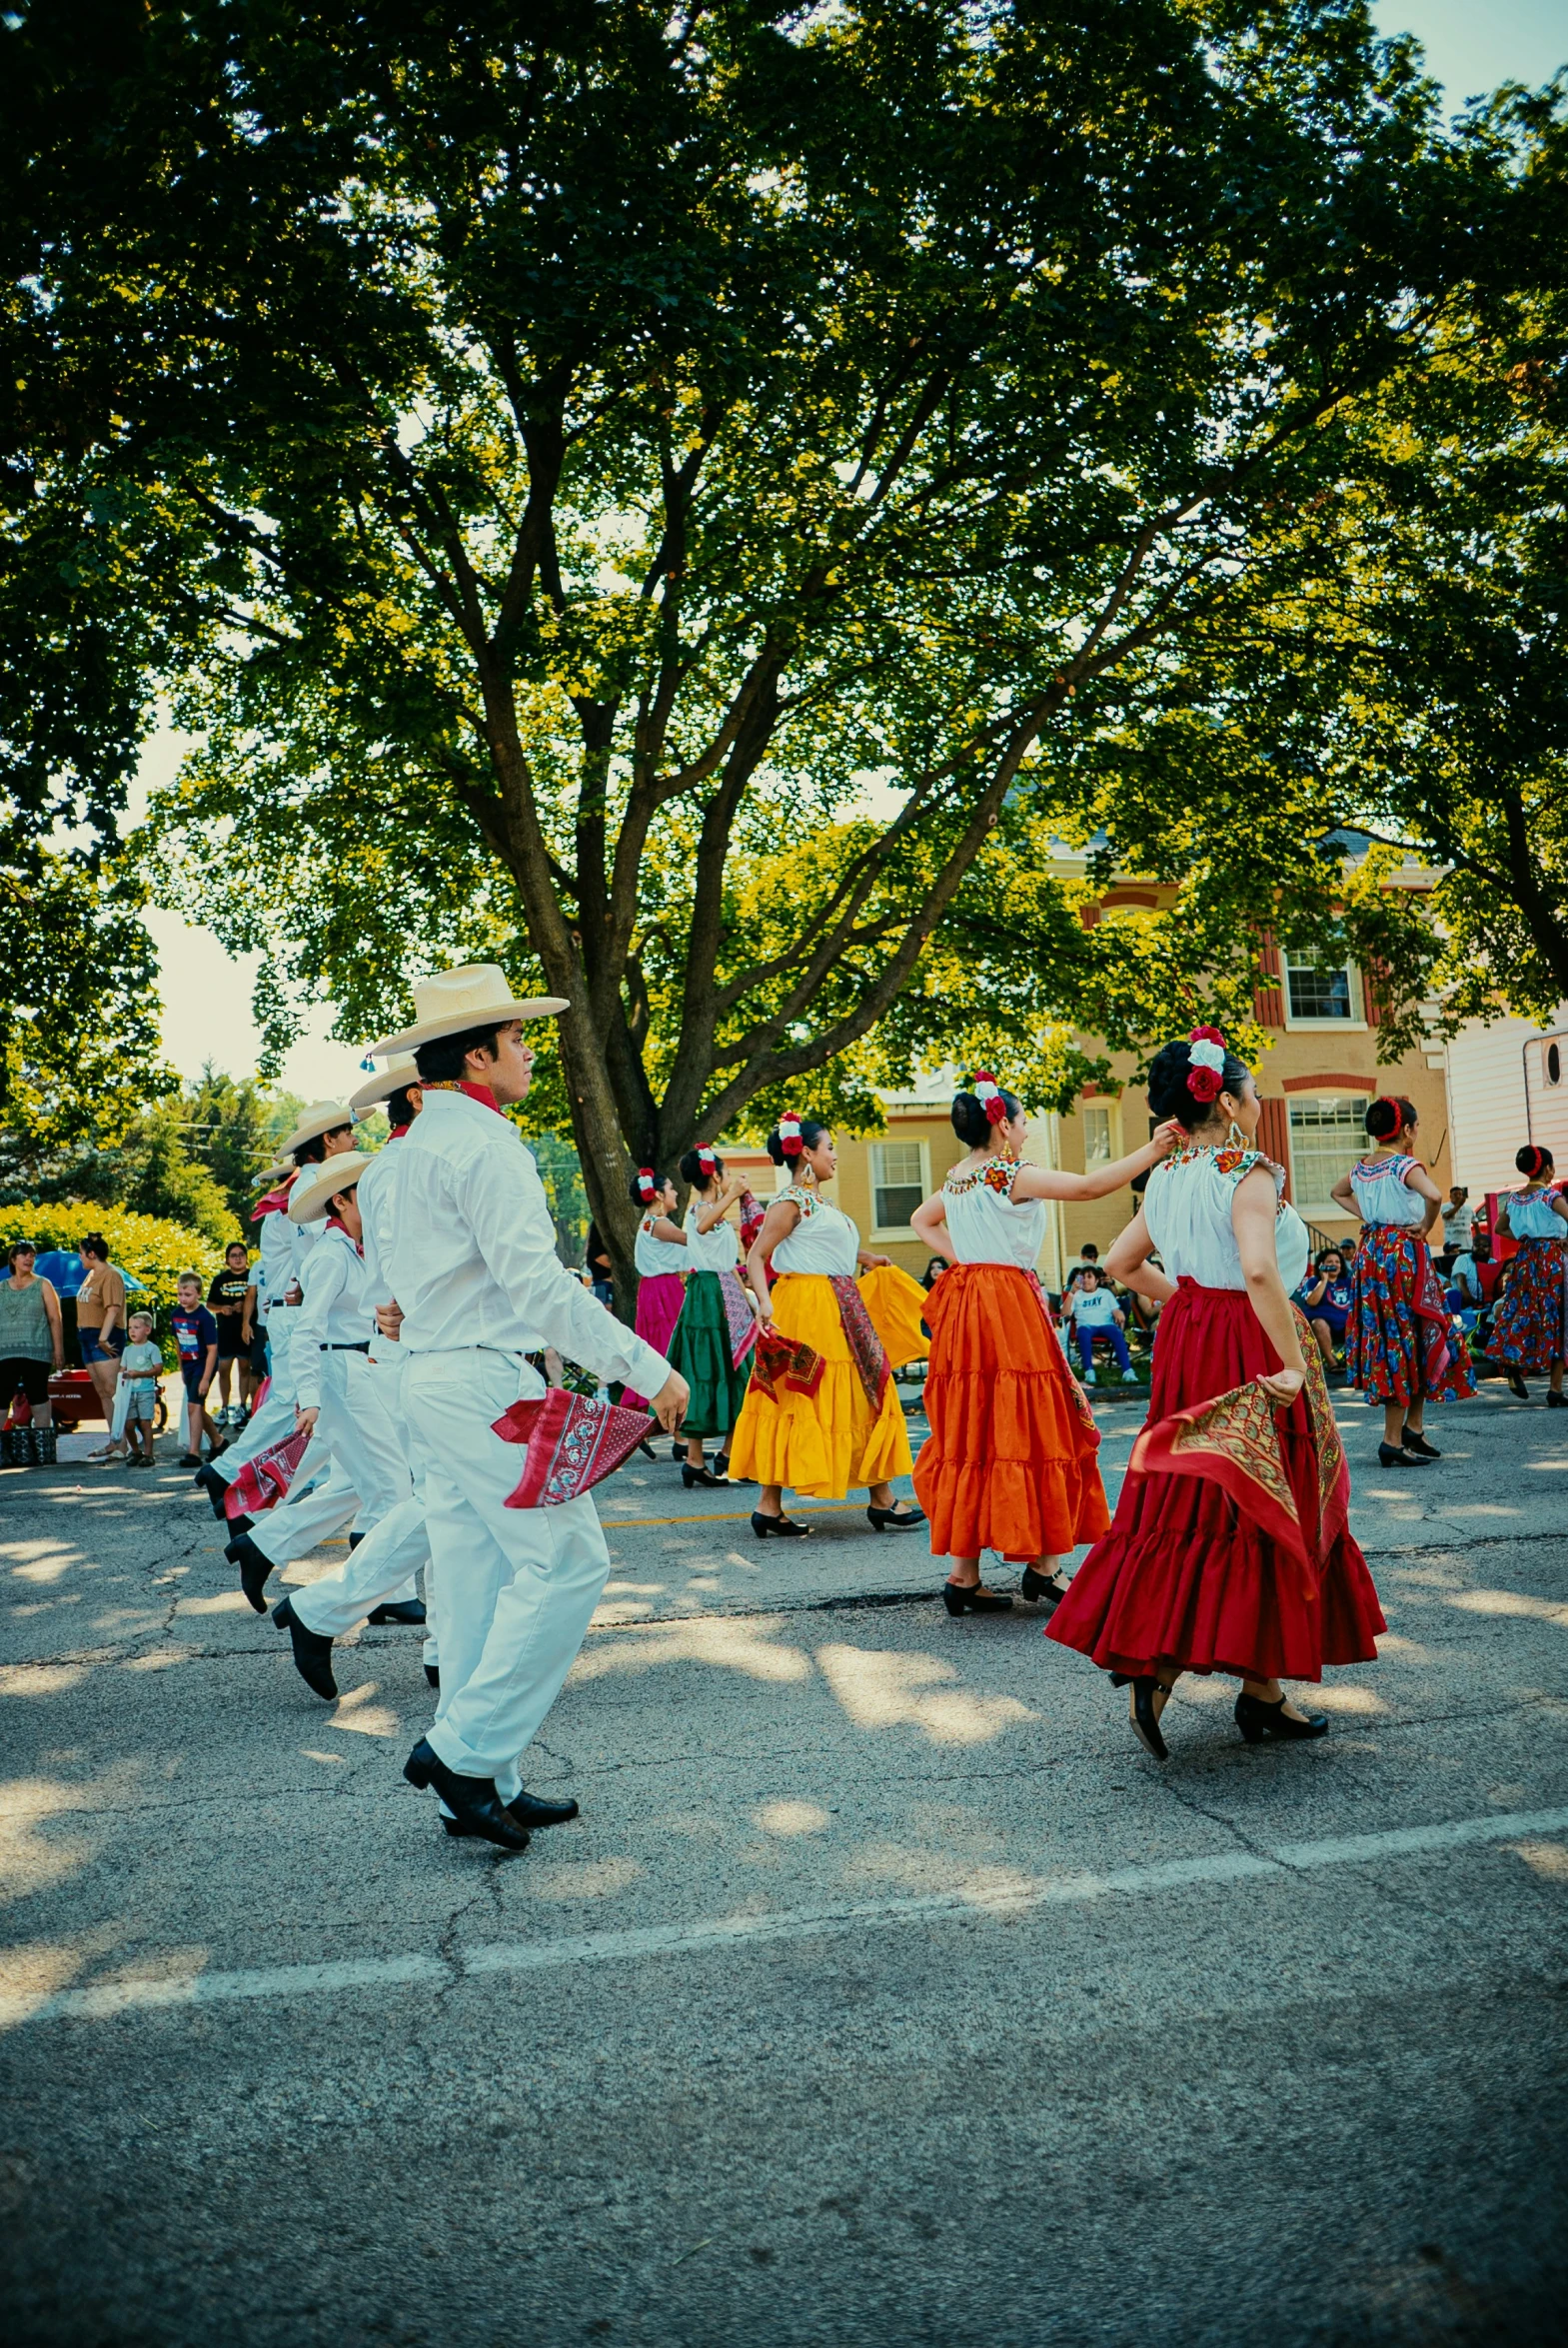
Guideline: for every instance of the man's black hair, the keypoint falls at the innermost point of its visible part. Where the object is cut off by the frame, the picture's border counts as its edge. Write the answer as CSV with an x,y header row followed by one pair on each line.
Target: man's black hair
x,y
441,1062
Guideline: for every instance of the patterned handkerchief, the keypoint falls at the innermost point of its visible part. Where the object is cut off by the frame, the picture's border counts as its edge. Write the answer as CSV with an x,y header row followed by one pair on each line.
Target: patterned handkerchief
x,y
782,1361
574,1441
263,1481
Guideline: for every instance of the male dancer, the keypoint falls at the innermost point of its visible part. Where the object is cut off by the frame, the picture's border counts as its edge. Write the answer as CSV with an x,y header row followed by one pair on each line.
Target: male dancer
x,y
375,1580
472,1259
325,1131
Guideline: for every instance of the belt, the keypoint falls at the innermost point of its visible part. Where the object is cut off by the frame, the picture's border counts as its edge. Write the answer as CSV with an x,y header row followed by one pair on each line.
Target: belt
x,y
360,1345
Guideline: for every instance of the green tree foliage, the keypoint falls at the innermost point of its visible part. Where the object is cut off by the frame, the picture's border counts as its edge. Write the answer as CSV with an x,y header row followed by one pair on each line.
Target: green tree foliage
x,y
581,445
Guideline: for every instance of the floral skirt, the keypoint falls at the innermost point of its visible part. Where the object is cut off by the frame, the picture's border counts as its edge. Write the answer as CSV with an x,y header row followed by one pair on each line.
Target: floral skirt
x,y
820,1444
1400,1345
659,1295
1186,1578
1012,1460
1528,1326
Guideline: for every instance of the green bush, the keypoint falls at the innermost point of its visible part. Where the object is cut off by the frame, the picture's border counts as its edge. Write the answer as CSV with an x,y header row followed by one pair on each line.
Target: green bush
x,y
155,1250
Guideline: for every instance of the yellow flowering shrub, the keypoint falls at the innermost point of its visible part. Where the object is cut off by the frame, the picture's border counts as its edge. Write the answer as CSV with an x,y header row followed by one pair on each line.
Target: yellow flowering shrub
x,y
154,1251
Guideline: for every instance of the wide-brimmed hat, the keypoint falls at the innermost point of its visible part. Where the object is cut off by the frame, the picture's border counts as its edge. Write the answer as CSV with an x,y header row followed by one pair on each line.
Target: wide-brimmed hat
x,y
392,1079
313,1193
322,1117
477,996
273,1173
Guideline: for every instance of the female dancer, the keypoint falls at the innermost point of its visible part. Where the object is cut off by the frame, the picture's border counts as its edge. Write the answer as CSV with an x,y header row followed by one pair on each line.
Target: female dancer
x,y
717,1329
1010,1462
1530,1327
1399,1342
1228,1551
661,1257
850,1430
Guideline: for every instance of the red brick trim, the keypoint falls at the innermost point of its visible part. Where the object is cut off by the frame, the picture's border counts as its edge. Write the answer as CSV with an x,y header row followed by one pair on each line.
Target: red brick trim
x,y
1328,1084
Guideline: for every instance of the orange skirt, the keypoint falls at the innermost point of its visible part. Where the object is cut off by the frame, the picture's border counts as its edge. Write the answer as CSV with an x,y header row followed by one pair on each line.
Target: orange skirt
x,y
1010,1464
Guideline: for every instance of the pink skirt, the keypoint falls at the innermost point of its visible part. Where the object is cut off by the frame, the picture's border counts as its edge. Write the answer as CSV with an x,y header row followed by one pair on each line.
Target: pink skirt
x,y
659,1295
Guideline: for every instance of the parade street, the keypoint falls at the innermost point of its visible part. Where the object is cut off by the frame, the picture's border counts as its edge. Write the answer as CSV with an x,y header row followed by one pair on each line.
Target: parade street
x,y
885,1990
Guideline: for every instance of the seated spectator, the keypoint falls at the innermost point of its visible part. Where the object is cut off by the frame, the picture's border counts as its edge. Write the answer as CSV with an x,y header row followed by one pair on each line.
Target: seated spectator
x,y
141,1366
1324,1296
1086,1260
1095,1313
1464,1290
1146,1310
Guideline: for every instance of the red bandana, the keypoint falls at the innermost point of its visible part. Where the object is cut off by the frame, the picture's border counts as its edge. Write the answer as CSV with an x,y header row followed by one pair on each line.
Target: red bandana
x,y
480,1093
274,1203
335,1222
396,1132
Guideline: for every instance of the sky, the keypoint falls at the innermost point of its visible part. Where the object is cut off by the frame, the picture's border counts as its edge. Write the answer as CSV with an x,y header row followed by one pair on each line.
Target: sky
x,y
1471,46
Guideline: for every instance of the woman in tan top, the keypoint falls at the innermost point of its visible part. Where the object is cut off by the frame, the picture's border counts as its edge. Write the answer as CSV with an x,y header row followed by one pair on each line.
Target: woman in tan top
x,y
100,1330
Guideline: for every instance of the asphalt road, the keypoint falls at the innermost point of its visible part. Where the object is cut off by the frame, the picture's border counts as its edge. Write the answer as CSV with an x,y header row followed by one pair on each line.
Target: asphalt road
x,y
884,1994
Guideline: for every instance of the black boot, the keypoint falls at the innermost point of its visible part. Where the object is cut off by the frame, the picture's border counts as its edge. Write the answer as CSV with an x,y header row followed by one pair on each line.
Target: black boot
x,y
433,1676
312,1651
255,1569
410,1611
216,1487
473,1802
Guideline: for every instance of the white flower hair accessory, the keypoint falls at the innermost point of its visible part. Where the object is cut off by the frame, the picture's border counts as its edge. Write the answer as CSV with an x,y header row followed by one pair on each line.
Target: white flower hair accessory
x,y
1207,1055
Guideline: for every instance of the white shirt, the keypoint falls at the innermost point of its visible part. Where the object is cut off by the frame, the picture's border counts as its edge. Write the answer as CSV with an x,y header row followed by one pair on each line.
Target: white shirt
x,y
823,1240
375,1200
1534,1217
1382,1195
467,1242
336,1311
277,1256
1456,1224
1093,1307
652,1255
1187,1210
984,1223
715,1250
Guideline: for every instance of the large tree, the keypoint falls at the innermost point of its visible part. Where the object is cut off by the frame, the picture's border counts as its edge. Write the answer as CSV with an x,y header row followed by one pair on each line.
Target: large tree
x,y
580,447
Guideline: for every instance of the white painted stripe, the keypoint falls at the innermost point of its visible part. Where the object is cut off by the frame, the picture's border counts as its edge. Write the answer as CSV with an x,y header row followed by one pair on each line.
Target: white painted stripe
x,y
110,1998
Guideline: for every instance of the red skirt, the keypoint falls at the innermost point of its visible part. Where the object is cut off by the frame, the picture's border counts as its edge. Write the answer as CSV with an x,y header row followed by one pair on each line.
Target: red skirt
x,y
1010,1464
1530,1325
1185,1578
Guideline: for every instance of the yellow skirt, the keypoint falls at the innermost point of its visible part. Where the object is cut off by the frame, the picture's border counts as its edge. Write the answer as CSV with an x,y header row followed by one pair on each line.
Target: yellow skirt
x,y
820,1444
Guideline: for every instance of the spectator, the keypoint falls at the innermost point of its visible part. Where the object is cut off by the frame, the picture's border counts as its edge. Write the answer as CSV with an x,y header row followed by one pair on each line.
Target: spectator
x,y
1086,1260
1147,1310
1458,1217
231,1299
32,1333
141,1366
195,1334
1324,1296
1094,1312
596,1259
935,1265
1464,1290
100,1332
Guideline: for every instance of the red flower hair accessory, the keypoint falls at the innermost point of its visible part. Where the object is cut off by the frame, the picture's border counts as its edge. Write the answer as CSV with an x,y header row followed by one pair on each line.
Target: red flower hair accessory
x,y
1207,1035
1203,1084
989,1094
1206,1063
790,1141
647,1187
704,1158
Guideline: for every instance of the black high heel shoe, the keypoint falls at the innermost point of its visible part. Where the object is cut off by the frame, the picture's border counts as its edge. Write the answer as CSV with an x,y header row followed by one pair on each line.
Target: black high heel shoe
x,y
1555,1402
973,1598
1395,1456
1145,1720
1418,1443
1037,1586
1516,1384
777,1527
895,1519
1255,1719
646,1450
693,1476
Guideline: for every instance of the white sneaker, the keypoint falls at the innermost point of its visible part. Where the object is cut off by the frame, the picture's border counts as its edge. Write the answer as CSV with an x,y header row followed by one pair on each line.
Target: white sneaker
x,y
1089,1380
1130,1378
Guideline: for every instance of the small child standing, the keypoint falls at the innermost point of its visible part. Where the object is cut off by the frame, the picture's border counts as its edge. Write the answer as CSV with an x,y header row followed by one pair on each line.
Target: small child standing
x,y
195,1334
141,1364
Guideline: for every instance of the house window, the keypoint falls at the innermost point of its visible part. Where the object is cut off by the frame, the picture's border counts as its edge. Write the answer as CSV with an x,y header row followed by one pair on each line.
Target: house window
x,y
1327,1137
1096,1133
1317,989
899,1182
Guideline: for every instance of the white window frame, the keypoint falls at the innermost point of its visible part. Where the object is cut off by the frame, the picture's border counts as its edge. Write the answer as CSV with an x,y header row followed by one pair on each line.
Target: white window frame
x,y
1312,1209
896,1231
1355,1025
1112,1132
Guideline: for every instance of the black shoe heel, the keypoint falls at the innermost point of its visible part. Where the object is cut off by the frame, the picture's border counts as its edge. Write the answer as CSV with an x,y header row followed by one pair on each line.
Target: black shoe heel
x,y
1257,1720
1145,1720
777,1527
1394,1456
311,1652
1041,1588
972,1597
700,1478
895,1519
1419,1444
1516,1386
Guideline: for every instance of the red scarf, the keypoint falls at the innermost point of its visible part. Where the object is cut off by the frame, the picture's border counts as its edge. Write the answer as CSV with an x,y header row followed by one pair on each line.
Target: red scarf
x,y
335,1222
480,1093
396,1132
274,1203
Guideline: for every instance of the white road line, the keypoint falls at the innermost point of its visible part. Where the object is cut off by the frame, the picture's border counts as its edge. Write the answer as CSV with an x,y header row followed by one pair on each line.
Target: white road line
x,y
107,1999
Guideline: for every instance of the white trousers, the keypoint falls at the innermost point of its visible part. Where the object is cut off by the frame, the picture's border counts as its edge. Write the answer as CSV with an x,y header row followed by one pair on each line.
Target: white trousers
x,y
380,1572
274,1422
369,1474
518,1587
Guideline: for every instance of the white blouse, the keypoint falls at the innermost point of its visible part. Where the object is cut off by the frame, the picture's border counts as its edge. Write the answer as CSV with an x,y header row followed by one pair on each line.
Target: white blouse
x,y
651,1255
984,1222
715,1250
1187,1210
1534,1216
823,1240
1382,1195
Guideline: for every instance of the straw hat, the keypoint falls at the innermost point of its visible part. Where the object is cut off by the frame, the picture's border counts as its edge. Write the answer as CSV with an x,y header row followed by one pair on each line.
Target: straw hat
x,y
273,1173
322,1117
313,1193
475,997
376,1090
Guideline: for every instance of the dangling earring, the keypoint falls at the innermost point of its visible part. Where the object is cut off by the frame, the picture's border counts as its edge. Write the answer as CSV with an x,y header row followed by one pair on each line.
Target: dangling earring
x,y
1236,1138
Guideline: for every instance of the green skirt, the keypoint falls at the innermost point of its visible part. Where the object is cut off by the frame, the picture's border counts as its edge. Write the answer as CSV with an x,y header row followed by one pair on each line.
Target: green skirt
x,y
700,1349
